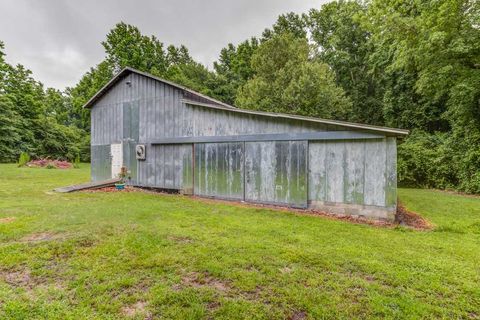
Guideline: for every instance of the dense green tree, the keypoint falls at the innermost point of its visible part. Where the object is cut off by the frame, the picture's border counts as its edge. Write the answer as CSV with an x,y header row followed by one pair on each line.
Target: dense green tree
x,y
89,84
54,140
344,45
177,56
286,80
434,46
125,46
234,68
291,22
32,119
10,131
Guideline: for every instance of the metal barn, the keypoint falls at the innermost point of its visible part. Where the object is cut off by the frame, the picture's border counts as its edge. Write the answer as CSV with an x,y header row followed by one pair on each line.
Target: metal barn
x,y
170,137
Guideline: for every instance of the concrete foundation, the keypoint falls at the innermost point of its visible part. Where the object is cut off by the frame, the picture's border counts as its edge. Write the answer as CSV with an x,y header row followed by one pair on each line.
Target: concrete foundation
x,y
371,212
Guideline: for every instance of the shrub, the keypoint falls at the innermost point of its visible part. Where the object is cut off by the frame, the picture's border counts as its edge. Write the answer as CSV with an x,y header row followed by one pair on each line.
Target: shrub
x,y
423,161
76,162
49,164
23,159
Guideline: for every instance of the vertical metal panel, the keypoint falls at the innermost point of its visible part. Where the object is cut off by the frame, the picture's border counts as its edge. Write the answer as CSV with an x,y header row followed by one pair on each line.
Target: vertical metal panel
x,y
101,162
159,165
177,166
130,134
276,172
151,168
130,160
187,169
335,171
127,117
375,166
391,173
354,172
219,170
106,125
168,167
317,183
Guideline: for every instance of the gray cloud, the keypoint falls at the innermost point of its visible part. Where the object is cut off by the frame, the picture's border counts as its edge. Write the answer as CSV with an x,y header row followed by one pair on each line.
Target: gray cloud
x,y
60,40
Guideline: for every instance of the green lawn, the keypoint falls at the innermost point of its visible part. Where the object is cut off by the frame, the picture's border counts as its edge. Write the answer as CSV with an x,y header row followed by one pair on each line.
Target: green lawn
x,y
141,255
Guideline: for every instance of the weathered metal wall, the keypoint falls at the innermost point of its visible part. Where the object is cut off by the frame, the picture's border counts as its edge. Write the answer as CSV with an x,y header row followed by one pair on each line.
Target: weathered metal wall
x,y
219,170
361,172
101,162
163,167
276,172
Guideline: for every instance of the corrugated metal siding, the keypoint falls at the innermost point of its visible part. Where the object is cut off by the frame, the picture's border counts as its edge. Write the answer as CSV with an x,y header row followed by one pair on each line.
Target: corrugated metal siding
x,y
211,122
101,163
219,170
354,172
164,167
276,172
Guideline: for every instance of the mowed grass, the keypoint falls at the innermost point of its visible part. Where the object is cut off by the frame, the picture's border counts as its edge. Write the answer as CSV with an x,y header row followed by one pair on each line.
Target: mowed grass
x,y
140,255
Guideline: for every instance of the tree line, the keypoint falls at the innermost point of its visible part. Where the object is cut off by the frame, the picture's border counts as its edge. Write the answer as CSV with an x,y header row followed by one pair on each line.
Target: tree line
x,y
405,64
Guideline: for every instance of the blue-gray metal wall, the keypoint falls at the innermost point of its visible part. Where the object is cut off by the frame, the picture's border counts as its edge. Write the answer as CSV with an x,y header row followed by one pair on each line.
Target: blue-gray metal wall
x,y
299,173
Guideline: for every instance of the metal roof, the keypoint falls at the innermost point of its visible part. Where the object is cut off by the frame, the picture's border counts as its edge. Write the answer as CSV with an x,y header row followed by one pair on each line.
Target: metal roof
x,y
216,104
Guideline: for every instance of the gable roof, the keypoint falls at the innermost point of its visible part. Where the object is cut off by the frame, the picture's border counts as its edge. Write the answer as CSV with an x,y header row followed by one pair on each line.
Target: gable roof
x,y
216,104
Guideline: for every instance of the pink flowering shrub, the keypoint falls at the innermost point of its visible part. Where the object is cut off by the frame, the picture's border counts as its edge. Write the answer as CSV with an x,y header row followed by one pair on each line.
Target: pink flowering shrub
x,y
43,163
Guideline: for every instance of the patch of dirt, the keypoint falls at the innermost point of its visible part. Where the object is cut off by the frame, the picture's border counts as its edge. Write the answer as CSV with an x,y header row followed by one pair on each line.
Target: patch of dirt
x,y
86,242
40,236
298,315
24,279
7,219
20,278
252,295
199,280
180,239
211,306
411,219
138,308
285,270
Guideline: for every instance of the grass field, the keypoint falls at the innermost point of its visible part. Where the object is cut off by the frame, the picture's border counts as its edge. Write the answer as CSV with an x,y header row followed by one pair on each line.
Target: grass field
x,y
141,255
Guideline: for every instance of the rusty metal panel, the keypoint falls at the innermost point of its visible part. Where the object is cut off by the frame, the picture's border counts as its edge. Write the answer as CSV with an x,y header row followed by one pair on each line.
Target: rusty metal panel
x,y
219,170
101,163
276,172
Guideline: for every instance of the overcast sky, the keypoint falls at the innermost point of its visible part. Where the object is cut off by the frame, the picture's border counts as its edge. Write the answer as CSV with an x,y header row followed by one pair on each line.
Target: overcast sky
x,y
60,40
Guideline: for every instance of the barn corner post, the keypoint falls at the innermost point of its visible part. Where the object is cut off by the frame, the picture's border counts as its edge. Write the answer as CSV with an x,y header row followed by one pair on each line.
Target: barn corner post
x,y
199,145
